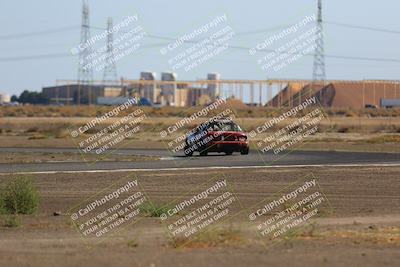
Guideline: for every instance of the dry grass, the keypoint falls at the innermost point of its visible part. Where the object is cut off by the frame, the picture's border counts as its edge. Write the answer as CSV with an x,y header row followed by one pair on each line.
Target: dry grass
x,y
224,237
58,127
372,234
382,236
239,109
384,139
37,157
151,209
133,243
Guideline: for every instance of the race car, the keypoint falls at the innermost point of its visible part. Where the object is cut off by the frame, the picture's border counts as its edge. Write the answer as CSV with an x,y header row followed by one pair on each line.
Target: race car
x,y
222,136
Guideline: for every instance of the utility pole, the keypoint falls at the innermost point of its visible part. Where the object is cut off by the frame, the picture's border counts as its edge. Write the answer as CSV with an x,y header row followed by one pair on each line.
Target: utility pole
x,y
319,56
85,71
110,69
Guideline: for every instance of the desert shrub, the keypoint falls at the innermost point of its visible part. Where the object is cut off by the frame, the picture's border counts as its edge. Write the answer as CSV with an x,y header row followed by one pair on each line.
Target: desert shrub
x,y
33,130
154,210
12,221
351,113
217,237
343,130
37,137
19,197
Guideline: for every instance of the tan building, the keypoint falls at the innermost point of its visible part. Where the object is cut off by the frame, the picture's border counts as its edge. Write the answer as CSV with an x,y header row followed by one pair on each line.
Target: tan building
x,y
5,98
340,94
169,92
187,97
182,97
79,94
149,91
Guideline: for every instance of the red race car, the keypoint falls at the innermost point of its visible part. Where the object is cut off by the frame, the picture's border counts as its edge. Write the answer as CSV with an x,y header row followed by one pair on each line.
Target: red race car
x,y
221,135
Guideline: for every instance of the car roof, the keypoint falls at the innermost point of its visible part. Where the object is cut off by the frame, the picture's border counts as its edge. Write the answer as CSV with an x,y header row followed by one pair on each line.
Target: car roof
x,y
223,120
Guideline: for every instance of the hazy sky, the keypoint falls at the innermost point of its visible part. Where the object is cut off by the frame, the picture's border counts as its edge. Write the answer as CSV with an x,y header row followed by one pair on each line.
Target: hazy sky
x,y
19,19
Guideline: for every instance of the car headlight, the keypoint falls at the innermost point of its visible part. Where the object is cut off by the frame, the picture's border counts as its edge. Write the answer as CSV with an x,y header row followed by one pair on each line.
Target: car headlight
x,y
242,138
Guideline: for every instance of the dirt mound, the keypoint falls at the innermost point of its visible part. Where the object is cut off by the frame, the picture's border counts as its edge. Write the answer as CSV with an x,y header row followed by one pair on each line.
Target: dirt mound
x,y
236,104
341,94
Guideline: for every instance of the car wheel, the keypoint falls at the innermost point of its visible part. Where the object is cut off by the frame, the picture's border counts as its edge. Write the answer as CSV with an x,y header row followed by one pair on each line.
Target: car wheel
x,y
188,152
245,151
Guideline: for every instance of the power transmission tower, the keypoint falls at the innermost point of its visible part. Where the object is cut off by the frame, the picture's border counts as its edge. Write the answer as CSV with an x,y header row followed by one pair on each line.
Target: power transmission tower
x,y
85,72
319,57
110,69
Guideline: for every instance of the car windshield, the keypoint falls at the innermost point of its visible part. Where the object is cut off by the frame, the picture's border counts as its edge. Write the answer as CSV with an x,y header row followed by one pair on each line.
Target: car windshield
x,y
225,127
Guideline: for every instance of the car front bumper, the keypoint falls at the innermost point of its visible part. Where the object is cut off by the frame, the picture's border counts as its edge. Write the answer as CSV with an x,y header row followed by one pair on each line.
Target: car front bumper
x,y
222,146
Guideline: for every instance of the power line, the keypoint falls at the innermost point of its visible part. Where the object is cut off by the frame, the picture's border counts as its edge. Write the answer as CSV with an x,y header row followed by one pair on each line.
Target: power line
x,y
361,27
355,58
59,55
43,56
69,28
262,30
265,30
364,58
285,52
39,33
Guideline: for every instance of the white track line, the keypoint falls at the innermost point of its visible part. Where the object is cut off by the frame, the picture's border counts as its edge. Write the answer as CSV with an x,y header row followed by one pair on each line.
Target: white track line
x,y
215,168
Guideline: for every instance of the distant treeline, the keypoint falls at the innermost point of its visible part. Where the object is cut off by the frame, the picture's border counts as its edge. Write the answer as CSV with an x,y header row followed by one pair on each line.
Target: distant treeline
x,y
27,97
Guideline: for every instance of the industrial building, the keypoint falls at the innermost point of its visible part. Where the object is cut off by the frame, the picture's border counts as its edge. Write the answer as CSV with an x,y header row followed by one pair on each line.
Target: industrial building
x,y
5,98
167,92
170,92
79,93
149,90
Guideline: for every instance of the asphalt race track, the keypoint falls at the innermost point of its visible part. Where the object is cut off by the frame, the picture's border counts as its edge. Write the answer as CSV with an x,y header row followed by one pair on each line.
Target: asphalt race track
x,y
254,159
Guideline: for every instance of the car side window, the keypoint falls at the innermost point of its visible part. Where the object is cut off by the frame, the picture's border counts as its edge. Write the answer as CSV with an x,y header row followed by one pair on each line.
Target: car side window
x,y
216,127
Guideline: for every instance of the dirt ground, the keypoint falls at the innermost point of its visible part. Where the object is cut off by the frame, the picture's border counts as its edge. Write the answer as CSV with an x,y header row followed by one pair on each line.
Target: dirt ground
x,y
340,142
335,133
39,157
362,227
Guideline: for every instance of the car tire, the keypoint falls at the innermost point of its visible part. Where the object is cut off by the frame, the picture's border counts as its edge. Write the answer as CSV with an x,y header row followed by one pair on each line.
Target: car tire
x,y
245,151
188,152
